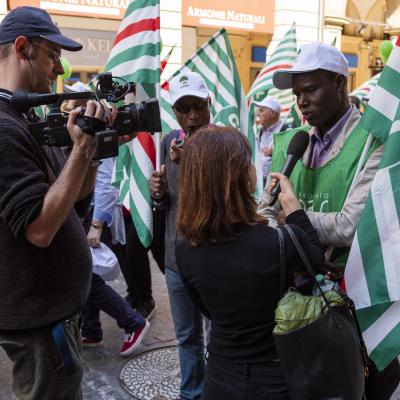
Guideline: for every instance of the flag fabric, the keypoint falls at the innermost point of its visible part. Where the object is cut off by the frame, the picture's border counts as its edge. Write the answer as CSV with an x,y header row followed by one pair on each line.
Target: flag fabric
x,y
364,91
282,58
372,274
215,62
135,57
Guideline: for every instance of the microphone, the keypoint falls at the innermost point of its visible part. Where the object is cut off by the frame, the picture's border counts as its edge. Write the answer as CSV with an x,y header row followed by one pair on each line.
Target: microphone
x,y
21,100
295,151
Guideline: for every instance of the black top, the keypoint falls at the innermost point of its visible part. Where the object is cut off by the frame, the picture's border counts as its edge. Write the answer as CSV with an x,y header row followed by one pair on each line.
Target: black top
x,y
171,169
38,286
236,284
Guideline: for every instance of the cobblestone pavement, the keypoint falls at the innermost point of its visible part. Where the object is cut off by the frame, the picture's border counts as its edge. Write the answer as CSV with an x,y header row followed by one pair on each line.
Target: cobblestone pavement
x,y
103,364
106,372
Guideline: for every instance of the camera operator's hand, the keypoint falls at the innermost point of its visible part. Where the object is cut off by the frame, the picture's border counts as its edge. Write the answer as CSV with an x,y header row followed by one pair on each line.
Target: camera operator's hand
x,y
94,234
83,141
158,183
175,152
122,139
287,198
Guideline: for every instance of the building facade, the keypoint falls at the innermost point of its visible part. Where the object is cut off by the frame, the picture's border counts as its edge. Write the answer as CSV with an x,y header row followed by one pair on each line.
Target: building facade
x,y
356,27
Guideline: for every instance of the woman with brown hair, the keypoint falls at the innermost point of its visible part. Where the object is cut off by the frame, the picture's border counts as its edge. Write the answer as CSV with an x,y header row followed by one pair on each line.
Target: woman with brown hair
x,y
229,261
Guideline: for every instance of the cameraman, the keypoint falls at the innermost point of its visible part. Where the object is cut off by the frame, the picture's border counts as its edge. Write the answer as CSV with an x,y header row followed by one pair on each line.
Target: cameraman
x,y
45,262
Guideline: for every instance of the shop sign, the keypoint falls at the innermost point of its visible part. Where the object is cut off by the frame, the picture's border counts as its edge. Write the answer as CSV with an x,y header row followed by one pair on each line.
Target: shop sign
x,y
112,9
96,47
257,16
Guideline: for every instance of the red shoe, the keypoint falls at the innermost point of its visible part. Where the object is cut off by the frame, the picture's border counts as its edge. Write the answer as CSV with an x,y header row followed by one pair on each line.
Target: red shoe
x,y
133,340
91,342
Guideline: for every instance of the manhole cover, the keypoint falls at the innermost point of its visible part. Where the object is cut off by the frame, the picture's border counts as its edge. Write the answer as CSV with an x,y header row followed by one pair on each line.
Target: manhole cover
x,y
153,375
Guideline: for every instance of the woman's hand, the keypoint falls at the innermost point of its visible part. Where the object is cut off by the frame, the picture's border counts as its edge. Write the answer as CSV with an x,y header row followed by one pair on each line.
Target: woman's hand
x,y
287,198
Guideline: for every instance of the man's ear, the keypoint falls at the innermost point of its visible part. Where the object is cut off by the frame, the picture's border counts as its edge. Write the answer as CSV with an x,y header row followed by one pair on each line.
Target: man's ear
x,y
20,45
341,82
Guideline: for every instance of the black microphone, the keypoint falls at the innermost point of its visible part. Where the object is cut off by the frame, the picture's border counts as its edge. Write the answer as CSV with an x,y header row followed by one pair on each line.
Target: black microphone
x,y
295,151
21,100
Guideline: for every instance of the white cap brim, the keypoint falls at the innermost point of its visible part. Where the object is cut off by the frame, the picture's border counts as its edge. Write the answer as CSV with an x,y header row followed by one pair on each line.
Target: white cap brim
x,y
283,79
193,93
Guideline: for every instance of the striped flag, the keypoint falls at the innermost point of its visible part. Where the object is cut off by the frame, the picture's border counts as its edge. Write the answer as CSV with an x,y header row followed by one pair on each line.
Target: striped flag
x,y
282,58
372,274
135,56
365,90
215,62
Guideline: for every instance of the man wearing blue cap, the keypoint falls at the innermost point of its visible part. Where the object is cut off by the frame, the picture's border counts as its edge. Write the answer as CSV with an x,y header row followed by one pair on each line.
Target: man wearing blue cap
x,y
45,262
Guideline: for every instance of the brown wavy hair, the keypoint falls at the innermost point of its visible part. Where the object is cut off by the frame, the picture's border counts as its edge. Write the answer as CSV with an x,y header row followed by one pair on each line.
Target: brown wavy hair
x,y
215,188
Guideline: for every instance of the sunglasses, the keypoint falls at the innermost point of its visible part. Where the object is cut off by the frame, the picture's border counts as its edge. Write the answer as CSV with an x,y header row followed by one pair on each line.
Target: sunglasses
x,y
54,55
183,108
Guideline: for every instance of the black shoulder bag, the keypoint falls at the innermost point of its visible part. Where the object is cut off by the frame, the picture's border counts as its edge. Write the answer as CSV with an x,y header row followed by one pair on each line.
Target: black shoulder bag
x,y
327,359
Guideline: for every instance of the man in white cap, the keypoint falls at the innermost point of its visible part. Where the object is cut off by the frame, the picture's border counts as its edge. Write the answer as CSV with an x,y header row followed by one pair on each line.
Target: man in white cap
x,y
190,101
323,179
268,112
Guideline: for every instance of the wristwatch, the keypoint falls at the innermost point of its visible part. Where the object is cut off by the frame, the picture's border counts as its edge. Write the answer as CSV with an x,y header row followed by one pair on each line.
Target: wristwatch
x,y
95,163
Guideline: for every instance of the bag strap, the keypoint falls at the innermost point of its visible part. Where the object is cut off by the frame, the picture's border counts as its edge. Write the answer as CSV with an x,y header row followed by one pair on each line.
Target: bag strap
x,y
282,260
309,269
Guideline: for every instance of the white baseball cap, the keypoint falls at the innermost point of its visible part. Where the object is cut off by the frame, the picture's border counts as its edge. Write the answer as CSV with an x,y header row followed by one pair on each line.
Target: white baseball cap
x,y
187,84
270,102
312,56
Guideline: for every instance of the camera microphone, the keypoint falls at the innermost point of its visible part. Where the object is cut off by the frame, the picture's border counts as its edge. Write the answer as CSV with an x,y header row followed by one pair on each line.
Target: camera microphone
x,y
296,149
21,100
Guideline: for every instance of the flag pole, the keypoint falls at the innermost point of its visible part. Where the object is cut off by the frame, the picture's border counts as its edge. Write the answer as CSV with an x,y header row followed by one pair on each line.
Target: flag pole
x,y
157,137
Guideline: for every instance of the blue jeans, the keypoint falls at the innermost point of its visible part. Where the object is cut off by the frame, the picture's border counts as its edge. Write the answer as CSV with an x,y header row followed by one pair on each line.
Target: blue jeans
x,y
188,323
105,298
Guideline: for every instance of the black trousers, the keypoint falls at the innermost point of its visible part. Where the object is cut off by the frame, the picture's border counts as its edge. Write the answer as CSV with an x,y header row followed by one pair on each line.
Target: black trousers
x,y
380,386
261,381
134,262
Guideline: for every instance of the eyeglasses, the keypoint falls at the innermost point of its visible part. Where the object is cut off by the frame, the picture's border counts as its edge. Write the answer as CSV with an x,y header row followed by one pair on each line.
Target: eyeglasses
x,y
54,55
184,108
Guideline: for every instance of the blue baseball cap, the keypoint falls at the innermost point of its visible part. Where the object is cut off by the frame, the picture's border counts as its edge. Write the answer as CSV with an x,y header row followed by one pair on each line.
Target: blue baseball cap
x,y
34,22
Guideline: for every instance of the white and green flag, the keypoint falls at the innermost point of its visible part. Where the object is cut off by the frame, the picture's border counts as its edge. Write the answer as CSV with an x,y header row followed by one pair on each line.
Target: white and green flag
x,y
215,62
365,91
282,58
372,274
135,56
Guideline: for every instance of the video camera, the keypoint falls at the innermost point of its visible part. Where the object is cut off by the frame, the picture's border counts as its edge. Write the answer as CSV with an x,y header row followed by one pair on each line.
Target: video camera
x,y
52,131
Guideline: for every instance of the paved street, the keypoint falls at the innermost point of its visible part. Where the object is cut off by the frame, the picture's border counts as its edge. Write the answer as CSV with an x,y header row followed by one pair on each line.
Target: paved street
x,y
103,365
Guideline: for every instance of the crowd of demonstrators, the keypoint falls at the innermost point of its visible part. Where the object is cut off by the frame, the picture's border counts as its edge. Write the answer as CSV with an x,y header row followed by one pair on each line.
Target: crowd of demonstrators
x,y
230,262
45,260
319,81
190,102
268,113
222,255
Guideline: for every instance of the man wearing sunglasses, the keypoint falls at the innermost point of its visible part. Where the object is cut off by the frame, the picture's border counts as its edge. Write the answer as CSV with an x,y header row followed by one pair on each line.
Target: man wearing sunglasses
x,y
45,262
190,101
